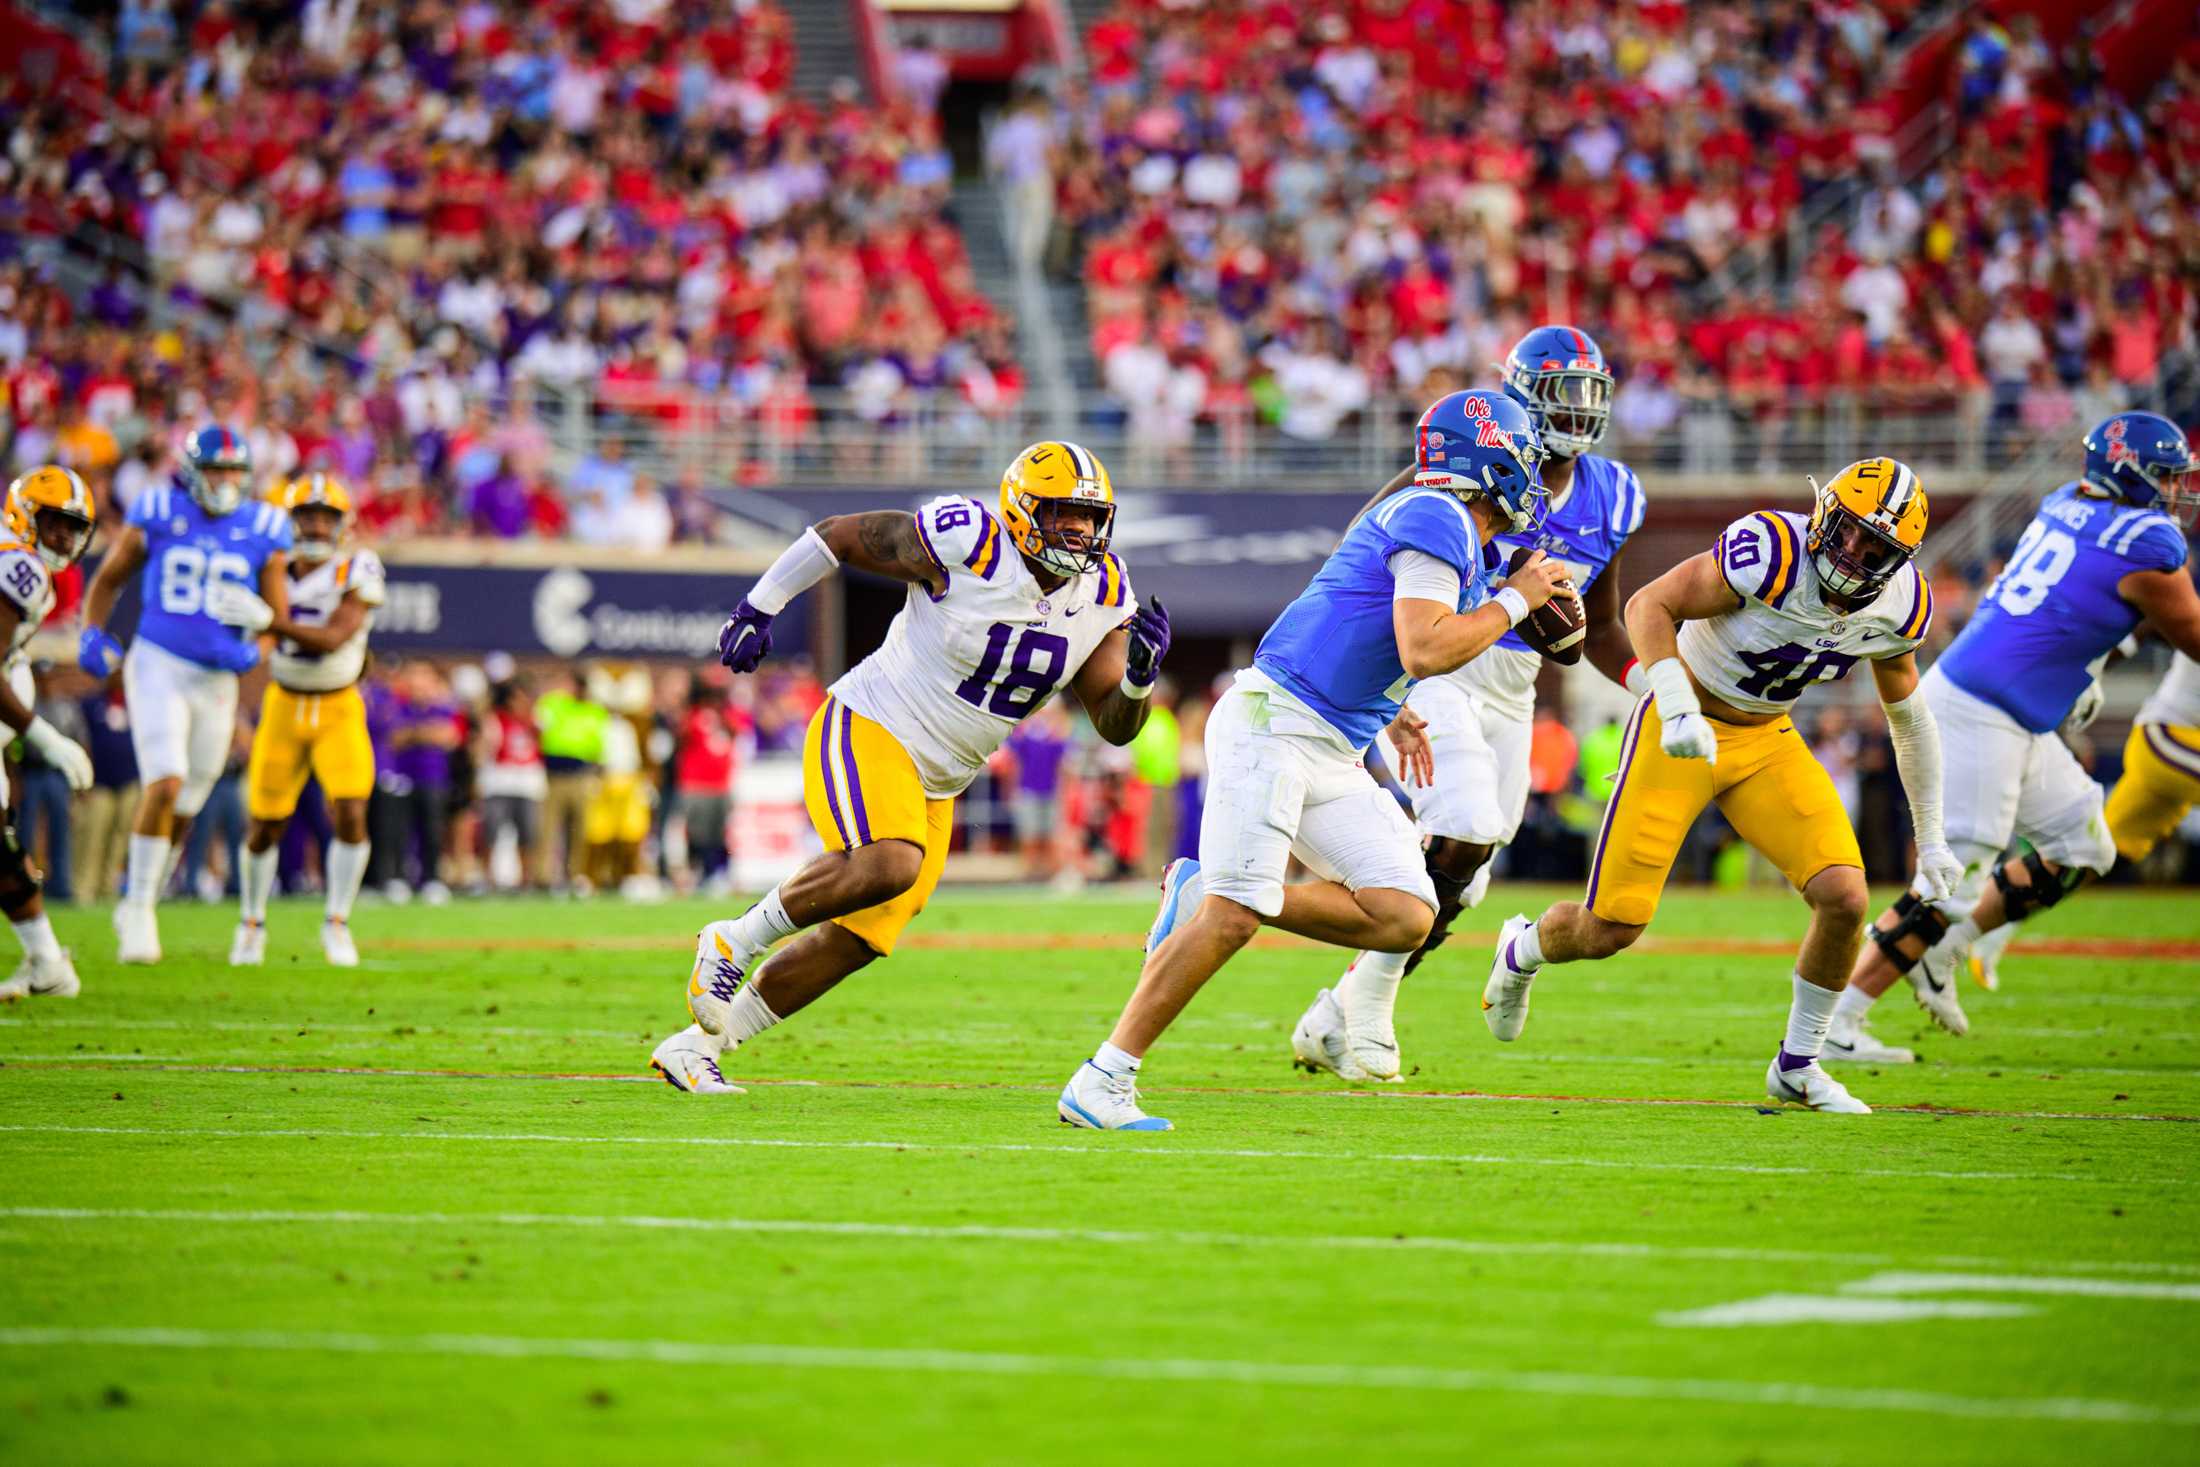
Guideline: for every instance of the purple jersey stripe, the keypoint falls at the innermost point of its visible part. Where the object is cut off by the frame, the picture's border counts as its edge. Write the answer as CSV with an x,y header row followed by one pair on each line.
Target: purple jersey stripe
x,y
825,770
2172,750
983,554
924,537
852,780
1604,831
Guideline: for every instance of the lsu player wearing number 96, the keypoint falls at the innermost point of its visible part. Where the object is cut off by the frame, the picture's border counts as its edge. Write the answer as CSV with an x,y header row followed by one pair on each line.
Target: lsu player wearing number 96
x,y
1008,604
1729,640
48,516
204,545
2101,555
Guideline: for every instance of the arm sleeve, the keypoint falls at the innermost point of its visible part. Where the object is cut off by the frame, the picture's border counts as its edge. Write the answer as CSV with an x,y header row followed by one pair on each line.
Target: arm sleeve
x,y
799,567
1916,740
1418,576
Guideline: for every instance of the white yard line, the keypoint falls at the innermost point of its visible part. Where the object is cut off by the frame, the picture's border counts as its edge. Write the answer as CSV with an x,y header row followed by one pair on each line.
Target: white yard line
x,y
1317,1375
2001,1283
1488,1249
1144,1147
1779,1309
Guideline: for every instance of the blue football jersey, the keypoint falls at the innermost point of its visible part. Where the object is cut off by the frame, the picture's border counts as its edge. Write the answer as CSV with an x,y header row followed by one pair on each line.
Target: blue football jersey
x,y
1335,649
187,551
2054,607
1602,509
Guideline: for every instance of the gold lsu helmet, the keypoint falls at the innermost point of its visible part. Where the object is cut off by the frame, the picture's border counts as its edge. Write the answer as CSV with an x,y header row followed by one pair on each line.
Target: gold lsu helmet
x,y
45,495
1868,521
1043,481
315,491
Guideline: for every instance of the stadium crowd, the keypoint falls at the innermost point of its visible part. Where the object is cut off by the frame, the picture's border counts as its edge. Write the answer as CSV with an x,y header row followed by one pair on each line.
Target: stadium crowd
x,y
1287,213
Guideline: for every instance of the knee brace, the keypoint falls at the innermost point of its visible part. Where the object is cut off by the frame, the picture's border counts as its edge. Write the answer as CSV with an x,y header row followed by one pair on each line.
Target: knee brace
x,y
1914,917
1450,898
2047,888
18,879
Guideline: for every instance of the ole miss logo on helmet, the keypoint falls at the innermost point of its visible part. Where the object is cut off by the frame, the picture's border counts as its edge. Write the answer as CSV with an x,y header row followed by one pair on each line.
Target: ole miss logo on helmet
x,y
1489,435
2119,452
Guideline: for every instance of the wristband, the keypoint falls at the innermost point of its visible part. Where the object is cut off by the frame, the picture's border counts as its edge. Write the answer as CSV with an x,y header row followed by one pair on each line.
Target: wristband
x,y
1668,680
1133,691
1515,605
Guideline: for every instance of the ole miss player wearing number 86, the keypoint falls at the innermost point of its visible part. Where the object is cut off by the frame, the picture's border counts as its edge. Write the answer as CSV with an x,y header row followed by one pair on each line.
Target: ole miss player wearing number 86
x,y
1008,604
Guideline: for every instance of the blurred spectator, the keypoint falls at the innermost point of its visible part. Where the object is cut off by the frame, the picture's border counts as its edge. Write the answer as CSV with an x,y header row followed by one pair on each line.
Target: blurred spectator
x,y
104,812
702,784
426,733
1040,745
513,786
572,754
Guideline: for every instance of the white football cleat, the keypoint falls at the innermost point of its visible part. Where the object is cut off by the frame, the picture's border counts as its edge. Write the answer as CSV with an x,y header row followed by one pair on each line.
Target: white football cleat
x,y
1857,1046
689,1061
1098,1101
53,977
138,934
1812,1086
1324,1040
1934,978
1181,892
716,978
1477,889
1505,996
1986,954
248,949
336,943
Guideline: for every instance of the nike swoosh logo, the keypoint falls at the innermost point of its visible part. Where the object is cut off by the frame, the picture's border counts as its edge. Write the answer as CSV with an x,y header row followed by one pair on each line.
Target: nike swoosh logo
x,y
1935,986
1073,611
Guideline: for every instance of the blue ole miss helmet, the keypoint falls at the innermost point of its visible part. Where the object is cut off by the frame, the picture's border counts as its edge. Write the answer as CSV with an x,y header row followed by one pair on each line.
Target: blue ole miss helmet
x,y
1560,376
216,463
1481,444
2144,459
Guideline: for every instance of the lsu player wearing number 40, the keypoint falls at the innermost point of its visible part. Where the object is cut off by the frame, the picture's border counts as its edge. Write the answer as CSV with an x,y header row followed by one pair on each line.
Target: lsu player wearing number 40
x,y
1008,604
1729,640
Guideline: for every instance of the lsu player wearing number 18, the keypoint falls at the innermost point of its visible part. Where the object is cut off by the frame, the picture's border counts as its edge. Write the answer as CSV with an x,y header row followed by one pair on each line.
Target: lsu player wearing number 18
x,y
191,538
1729,640
1008,604
312,719
2102,554
48,516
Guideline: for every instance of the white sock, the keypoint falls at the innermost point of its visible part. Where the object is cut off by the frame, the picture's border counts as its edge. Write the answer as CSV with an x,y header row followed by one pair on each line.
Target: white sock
x,y
763,924
1369,989
256,880
1809,1017
1989,945
347,868
147,871
168,871
750,1016
1527,949
1850,1009
1960,935
1115,1061
37,937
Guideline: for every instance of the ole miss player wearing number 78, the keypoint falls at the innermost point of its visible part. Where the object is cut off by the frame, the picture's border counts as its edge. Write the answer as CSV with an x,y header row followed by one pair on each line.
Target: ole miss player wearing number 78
x,y
1008,604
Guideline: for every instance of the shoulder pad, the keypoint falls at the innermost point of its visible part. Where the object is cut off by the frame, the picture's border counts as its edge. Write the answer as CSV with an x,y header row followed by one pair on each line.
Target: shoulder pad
x,y
24,579
1919,620
1435,522
1112,583
960,533
1760,555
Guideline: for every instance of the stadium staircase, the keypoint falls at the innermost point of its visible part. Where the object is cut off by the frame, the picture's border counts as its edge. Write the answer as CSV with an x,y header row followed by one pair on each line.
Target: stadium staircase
x,y
828,46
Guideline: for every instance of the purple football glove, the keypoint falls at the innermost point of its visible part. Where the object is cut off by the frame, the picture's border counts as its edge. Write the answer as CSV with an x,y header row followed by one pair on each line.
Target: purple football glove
x,y
1149,631
746,638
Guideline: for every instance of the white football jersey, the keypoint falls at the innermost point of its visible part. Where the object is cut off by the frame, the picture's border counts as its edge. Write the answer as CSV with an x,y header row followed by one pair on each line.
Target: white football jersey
x,y
314,598
1783,637
28,586
2177,701
959,670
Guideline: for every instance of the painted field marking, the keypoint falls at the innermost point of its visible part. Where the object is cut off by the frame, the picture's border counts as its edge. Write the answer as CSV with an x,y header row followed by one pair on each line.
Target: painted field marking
x,y
1778,1309
1108,1147
1484,1248
1999,1283
1666,1389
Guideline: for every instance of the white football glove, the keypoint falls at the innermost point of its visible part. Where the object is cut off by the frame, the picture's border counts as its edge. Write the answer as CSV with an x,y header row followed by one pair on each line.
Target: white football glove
x,y
1690,736
1938,871
61,751
2085,710
235,606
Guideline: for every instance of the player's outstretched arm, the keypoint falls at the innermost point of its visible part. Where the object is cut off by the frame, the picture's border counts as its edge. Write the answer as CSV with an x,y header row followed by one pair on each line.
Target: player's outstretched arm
x,y
1435,638
1694,590
884,542
1116,683
2170,605
1916,739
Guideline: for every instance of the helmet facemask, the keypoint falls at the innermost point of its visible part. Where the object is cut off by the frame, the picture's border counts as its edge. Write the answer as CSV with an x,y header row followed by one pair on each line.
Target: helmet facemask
x,y
308,546
1854,557
1070,549
1572,407
61,537
217,487
2179,488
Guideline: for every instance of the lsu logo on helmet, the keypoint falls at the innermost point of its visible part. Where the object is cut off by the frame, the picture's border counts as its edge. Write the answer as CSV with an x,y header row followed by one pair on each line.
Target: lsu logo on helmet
x,y
54,499
1868,521
1045,491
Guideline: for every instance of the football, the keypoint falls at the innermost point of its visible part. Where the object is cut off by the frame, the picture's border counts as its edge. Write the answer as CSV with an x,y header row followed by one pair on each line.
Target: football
x,y
1558,627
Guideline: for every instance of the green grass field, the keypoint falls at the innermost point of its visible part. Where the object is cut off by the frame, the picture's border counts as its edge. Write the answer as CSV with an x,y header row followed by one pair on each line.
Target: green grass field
x,y
431,1208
